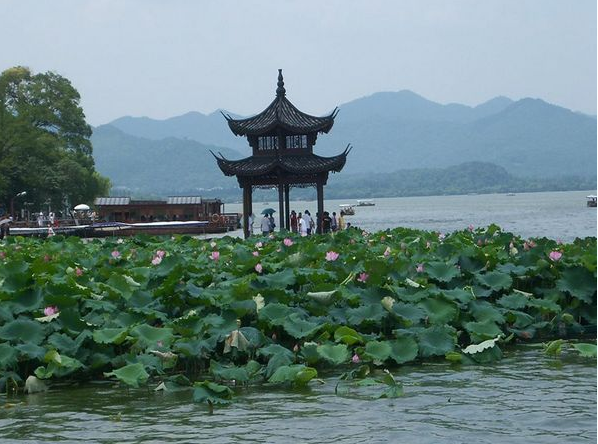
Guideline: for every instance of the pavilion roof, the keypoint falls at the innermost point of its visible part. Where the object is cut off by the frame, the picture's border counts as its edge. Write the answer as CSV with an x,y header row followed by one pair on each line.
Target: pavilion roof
x,y
281,113
297,164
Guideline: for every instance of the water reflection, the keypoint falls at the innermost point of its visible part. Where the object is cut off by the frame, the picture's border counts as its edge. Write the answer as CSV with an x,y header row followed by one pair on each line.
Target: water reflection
x,y
526,398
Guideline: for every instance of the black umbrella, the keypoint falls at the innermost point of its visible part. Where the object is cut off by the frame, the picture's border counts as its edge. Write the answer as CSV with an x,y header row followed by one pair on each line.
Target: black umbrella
x,y
268,211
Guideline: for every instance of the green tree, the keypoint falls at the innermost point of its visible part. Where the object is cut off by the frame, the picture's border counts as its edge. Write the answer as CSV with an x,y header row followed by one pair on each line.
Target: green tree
x,y
44,142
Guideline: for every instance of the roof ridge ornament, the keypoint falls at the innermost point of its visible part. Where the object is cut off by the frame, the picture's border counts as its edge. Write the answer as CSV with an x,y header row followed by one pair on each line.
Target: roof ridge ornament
x,y
280,91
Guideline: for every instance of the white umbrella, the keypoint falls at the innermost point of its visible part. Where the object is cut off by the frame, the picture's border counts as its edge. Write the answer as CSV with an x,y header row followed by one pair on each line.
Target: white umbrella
x,y
82,207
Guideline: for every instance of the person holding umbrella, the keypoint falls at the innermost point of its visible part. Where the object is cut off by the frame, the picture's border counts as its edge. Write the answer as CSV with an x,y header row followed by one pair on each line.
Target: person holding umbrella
x,y
265,225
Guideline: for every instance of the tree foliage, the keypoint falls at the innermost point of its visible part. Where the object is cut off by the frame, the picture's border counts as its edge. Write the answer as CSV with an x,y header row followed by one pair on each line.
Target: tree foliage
x,y
45,146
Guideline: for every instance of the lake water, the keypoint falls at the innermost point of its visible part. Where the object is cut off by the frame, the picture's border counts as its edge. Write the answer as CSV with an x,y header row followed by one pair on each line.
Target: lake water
x,y
526,398
557,215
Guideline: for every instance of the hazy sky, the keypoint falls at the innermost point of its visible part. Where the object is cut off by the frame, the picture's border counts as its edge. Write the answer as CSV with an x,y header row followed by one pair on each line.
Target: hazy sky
x,y
164,58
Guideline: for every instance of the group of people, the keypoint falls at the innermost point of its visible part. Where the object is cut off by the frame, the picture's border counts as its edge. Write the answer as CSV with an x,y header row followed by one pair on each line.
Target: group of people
x,y
303,223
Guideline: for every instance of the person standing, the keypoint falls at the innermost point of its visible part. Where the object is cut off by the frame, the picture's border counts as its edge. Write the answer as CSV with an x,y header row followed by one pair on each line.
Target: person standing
x,y
272,223
334,223
341,221
326,222
293,221
302,226
265,225
308,221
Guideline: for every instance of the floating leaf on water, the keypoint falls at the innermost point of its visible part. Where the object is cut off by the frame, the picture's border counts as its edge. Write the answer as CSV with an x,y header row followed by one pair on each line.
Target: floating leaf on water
x,y
477,348
34,385
585,350
554,348
132,374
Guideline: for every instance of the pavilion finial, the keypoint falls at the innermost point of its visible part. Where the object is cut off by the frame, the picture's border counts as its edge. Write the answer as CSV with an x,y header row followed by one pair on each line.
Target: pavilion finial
x,y
280,91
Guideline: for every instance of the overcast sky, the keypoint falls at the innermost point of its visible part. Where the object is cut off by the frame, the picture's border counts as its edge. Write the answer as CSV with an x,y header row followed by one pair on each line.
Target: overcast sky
x,y
165,58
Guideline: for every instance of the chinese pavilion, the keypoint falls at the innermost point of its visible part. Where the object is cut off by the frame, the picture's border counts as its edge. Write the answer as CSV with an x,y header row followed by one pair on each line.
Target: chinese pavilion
x,y
282,139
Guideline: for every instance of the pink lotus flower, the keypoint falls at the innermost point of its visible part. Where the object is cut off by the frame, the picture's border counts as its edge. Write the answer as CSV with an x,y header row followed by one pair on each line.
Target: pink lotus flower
x,y
258,267
363,277
555,255
331,256
287,242
115,254
156,260
559,242
51,310
160,253
419,268
387,252
47,258
78,271
441,236
258,245
355,359
215,255
256,253
470,227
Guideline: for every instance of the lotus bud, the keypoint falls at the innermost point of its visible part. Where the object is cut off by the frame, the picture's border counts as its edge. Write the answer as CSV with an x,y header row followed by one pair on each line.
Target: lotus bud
x,y
387,302
274,337
296,348
355,359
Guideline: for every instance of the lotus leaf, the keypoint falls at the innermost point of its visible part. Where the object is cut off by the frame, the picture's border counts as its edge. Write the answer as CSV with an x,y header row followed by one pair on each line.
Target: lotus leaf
x,y
483,330
297,374
378,350
515,301
231,373
31,351
309,353
149,336
110,335
335,354
211,393
485,311
436,341
34,385
23,330
442,271
373,313
347,336
477,348
579,283
586,350
439,311
132,374
410,312
275,314
495,280
300,328
8,356
403,349
281,279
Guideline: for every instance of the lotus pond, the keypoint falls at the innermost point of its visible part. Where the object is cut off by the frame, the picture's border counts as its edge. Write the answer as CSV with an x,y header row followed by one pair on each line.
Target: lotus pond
x,y
221,319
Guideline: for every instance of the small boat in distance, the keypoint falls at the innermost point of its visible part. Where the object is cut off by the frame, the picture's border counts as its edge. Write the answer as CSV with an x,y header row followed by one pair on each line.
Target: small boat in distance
x,y
347,209
510,194
591,201
365,203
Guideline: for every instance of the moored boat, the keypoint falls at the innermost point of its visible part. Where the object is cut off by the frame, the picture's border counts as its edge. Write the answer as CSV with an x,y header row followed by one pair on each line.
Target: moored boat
x,y
591,201
347,209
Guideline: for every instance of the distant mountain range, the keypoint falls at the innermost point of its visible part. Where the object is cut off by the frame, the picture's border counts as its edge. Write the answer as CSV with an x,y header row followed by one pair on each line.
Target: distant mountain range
x,y
390,132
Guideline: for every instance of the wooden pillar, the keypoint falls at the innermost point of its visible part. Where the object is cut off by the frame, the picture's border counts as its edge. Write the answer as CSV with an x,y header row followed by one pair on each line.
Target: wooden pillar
x,y
320,191
281,206
246,213
250,206
287,207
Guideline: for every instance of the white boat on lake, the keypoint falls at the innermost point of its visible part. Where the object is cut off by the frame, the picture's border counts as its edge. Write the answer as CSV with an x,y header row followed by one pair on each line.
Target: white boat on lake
x,y
365,203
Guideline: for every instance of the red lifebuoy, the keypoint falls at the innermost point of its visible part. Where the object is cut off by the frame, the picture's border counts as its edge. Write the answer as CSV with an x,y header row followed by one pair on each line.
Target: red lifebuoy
x,y
215,218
